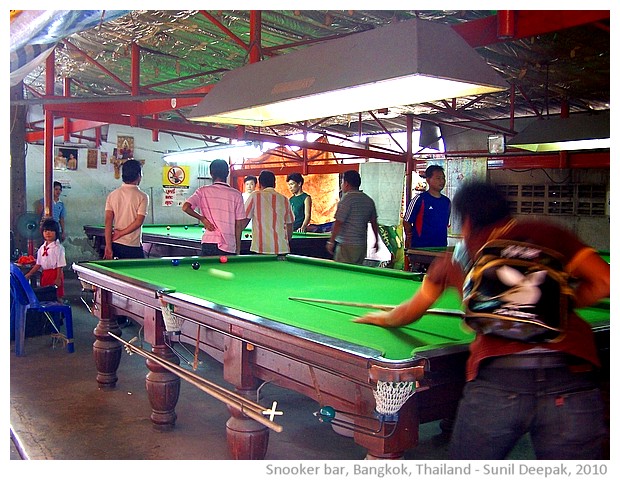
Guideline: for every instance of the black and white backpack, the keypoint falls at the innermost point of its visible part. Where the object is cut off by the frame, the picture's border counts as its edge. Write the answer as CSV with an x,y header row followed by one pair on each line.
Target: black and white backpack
x,y
518,291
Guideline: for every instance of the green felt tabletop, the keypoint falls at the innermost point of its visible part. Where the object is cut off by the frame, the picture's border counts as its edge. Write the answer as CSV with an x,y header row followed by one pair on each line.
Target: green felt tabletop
x,y
262,285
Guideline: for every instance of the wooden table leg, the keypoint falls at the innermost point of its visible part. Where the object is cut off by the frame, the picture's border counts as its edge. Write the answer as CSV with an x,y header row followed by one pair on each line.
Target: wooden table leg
x,y
163,388
247,439
106,350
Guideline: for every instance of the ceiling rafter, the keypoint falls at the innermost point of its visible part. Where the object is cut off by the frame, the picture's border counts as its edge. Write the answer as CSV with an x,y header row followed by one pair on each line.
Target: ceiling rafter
x,y
203,39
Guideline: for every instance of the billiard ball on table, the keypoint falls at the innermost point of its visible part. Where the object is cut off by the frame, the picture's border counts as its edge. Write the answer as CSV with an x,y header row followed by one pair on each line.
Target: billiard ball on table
x,y
223,259
195,265
175,262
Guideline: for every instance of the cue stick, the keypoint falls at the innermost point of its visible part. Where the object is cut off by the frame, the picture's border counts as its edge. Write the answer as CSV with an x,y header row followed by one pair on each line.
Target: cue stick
x,y
245,406
439,311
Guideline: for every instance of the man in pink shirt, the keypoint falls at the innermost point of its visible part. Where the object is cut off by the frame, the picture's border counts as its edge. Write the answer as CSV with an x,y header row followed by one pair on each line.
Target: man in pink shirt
x,y
272,217
221,213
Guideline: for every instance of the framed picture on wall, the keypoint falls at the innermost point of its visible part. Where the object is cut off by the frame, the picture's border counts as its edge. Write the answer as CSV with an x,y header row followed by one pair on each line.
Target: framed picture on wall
x,y
124,147
91,159
65,158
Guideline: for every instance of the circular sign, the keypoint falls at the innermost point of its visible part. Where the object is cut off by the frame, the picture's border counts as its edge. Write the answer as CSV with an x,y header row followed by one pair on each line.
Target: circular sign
x,y
176,175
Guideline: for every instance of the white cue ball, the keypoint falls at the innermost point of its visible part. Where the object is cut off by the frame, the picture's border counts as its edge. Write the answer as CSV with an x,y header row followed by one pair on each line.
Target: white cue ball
x,y
221,274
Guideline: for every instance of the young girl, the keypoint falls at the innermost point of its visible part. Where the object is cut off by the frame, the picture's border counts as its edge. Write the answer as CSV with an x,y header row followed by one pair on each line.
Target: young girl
x,y
51,258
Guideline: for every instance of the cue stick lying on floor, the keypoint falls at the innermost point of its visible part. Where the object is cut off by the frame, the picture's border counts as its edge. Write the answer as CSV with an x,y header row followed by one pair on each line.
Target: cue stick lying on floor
x,y
375,306
245,406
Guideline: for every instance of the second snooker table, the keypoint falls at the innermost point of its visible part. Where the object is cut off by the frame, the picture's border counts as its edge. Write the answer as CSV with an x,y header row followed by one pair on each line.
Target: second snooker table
x,y
250,325
420,258
184,240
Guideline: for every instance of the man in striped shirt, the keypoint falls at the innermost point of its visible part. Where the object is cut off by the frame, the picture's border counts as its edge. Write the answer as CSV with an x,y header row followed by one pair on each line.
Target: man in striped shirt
x,y
272,217
348,242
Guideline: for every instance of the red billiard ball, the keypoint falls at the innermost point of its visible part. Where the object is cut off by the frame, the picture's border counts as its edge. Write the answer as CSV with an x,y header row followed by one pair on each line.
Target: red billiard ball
x,y
223,259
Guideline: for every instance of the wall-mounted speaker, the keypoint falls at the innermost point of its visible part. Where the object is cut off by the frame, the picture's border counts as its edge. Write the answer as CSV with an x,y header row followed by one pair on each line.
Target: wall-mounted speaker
x,y
430,133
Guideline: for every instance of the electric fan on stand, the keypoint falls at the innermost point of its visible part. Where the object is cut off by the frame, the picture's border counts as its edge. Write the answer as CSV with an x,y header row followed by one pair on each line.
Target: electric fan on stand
x,y
28,228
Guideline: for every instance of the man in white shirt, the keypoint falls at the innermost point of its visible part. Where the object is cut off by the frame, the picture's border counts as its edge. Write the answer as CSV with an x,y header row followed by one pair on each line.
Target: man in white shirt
x,y
125,212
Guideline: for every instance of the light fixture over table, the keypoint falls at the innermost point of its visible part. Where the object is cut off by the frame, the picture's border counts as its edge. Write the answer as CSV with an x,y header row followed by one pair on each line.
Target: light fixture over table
x,y
400,64
583,131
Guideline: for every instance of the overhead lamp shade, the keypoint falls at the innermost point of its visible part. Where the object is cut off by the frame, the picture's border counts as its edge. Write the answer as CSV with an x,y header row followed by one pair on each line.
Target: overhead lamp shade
x,y
575,132
401,64
430,134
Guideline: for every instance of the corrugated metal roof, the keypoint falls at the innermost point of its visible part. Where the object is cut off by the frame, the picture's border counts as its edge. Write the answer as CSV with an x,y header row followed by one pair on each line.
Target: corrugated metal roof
x,y
554,58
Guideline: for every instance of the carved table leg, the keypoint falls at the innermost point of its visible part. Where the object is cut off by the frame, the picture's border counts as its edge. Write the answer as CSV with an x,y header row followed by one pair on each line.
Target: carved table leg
x,y
247,439
106,350
163,388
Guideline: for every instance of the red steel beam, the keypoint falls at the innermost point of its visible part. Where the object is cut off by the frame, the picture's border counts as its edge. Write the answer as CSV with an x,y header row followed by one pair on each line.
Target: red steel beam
x,y
66,121
255,36
527,23
595,159
226,30
125,105
48,139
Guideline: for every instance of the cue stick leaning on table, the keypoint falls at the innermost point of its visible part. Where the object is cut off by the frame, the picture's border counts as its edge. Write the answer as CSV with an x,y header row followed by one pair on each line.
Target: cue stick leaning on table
x,y
376,306
245,406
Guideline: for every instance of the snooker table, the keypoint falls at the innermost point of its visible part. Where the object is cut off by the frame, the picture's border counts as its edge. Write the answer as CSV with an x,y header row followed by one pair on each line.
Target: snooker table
x,y
184,240
258,334
420,258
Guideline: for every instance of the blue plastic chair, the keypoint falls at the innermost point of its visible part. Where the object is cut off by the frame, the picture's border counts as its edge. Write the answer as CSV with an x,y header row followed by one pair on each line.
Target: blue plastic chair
x,y
23,300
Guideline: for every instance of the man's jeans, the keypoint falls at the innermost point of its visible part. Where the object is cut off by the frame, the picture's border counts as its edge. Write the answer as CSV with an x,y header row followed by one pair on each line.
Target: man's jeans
x,y
562,411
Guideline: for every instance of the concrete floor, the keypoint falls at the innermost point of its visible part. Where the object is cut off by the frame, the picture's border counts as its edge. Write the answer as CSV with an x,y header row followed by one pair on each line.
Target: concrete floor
x,y
58,412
